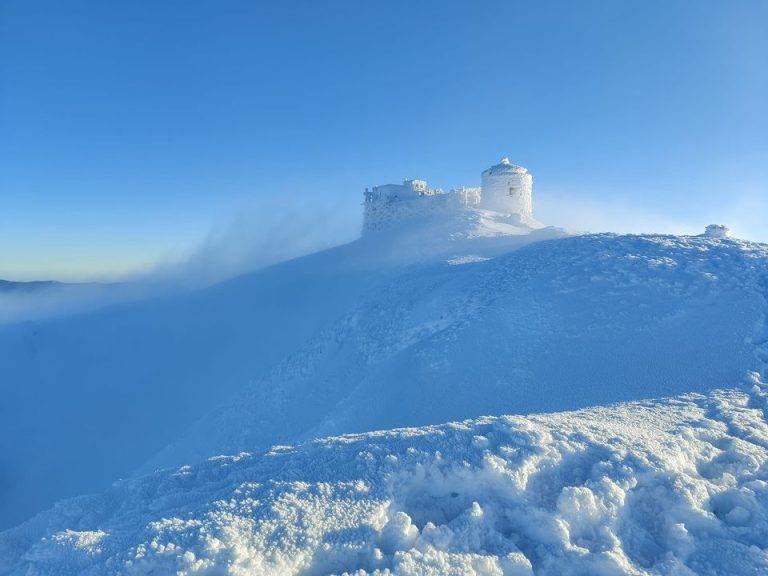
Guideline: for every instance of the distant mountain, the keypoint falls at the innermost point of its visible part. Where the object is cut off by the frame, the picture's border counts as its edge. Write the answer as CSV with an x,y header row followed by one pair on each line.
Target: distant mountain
x,y
48,299
9,286
32,286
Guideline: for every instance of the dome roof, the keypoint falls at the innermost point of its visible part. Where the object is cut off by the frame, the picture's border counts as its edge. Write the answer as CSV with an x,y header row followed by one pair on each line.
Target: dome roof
x,y
505,167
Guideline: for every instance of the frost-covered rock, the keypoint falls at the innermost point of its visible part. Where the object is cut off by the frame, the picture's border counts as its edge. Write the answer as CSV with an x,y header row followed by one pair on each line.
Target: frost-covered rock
x,y
669,487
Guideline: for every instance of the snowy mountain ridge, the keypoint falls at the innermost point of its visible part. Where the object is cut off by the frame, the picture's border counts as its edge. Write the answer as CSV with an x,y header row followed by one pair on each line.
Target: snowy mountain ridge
x,y
673,487
158,364
550,326
406,329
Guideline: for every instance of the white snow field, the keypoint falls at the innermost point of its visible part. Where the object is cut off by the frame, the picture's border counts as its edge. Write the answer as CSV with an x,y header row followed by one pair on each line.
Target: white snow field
x,y
98,393
469,316
676,486
556,325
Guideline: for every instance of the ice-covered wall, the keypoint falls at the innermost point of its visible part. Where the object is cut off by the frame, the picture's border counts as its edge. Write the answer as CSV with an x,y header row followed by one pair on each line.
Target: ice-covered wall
x,y
507,188
469,197
716,231
384,212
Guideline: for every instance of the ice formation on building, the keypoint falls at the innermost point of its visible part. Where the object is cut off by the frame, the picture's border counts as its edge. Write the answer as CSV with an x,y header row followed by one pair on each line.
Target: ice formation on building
x,y
716,231
506,188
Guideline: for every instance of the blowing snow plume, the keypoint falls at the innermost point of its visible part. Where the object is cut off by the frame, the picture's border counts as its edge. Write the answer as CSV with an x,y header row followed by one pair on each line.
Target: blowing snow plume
x,y
166,348
257,237
253,238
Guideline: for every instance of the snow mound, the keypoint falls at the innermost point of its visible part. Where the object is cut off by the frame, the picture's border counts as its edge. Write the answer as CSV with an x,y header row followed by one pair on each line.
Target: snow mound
x,y
667,487
450,234
458,317
555,325
159,364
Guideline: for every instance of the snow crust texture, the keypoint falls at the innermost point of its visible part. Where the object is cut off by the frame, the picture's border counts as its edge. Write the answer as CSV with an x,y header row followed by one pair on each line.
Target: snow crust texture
x,y
676,486
555,325
411,327
158,365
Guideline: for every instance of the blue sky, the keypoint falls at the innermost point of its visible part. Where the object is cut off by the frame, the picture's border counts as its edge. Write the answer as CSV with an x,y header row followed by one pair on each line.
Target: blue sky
x,y
128,130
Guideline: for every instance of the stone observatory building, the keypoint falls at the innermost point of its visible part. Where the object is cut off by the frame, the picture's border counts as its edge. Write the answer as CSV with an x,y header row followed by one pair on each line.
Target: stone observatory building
x,y
506,189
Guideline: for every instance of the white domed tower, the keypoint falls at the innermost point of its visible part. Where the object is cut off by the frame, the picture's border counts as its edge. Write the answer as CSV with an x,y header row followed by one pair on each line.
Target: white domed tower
x,y
507,188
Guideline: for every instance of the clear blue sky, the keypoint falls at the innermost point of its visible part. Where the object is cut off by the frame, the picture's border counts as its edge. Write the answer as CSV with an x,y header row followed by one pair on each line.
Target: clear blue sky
x,y
128,129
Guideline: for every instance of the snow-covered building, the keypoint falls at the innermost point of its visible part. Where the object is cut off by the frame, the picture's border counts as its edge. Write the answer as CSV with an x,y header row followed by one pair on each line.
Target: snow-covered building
x,y
408,189
506,188
716,231
390,204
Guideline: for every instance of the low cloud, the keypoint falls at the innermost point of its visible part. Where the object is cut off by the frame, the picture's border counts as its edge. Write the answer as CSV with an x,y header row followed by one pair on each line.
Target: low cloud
x,y
254,238
744,215
19,305
609,215
260,236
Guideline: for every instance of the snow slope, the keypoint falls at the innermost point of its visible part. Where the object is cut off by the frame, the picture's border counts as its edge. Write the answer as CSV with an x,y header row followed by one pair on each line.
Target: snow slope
x,y
556,325
448,320
674,487
23,301
99,392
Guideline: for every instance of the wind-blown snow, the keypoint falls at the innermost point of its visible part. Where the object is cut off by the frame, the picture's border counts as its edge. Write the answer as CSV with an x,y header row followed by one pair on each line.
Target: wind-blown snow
x,y
450,319
159,364
414,326
556,325
677,487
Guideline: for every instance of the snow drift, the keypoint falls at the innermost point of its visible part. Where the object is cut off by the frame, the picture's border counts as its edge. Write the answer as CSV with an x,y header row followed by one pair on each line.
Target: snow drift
x,y
668,487
452,319
78,388
555,325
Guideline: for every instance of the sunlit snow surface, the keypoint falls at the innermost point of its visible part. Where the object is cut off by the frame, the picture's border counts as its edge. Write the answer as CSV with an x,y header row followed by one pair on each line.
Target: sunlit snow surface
x,y
78,386
410,328
674,486
555,325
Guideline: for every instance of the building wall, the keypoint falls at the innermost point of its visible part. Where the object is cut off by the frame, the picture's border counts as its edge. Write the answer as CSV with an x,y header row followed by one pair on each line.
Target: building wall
x,y
506,188
508,192
382,213
469,197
